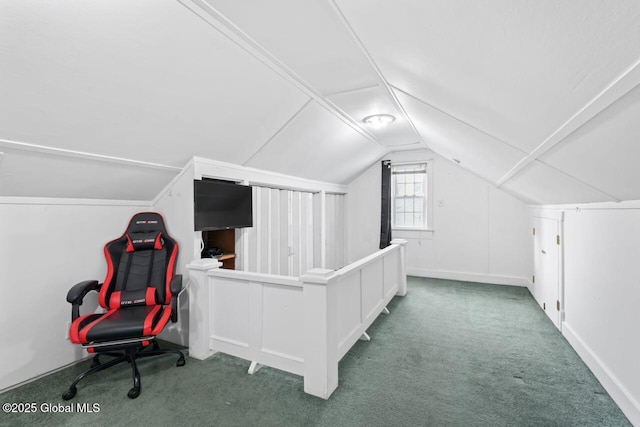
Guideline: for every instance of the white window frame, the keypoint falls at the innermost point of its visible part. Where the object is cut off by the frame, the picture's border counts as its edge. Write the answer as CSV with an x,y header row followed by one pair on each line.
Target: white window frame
x,y
427,186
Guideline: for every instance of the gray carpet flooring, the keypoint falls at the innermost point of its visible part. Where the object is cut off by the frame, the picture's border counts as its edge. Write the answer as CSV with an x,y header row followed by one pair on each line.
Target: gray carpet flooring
x,y
450,354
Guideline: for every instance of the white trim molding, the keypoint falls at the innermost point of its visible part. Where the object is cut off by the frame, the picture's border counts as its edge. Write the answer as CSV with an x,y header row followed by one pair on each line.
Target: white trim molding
x,y
494,279
55,151
618,392
12,200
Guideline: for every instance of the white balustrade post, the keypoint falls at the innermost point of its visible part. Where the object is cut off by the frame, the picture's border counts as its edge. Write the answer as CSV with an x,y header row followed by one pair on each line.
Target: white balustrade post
x,y
200,307
402,266
321,332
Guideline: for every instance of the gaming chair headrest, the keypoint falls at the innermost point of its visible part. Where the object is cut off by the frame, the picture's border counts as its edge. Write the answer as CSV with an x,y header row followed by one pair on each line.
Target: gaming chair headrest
x,y
146,222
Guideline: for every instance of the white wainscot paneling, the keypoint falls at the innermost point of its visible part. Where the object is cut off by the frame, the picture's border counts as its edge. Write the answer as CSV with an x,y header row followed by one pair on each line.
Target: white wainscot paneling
x,y
300,325
372,289
349,308
390,284
602,296
282,331
229,322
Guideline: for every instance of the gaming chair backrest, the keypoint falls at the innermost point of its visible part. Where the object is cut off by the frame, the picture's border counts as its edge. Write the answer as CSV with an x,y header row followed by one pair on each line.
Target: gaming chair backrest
x,y
140,264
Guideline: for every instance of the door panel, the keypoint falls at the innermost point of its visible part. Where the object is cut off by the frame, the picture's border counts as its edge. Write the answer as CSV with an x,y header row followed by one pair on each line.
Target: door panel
x,y
546,289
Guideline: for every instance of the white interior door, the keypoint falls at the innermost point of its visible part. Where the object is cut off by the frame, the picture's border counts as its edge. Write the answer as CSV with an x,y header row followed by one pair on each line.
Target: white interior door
x,y
546,288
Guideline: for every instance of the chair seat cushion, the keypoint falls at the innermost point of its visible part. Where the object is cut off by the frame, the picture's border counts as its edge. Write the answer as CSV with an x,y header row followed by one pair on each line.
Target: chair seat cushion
x,y
118,324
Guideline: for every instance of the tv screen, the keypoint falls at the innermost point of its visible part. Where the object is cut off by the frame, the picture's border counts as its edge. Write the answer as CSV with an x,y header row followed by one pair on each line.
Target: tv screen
x,y
219,205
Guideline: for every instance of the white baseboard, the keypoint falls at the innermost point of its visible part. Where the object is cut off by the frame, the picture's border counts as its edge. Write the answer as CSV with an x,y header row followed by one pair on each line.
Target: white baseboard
x,y
470,277
618,392
85,357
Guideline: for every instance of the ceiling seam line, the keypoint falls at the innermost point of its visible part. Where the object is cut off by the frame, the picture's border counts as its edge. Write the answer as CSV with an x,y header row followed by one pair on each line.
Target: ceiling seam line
x,y
375,67
277,132
66,201
358,89
422,101
549,142
63,152
579,181
260,53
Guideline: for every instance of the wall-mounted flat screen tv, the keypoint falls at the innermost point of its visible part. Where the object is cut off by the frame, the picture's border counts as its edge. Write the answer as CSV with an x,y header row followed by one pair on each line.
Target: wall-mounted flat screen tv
x,y
220,205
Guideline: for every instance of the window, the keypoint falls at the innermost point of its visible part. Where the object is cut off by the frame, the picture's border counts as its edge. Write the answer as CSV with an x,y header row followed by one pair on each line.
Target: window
x,y
409,195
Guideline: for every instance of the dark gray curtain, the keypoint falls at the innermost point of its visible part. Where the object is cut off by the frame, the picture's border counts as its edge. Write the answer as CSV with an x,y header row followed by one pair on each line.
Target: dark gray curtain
x,y
385,214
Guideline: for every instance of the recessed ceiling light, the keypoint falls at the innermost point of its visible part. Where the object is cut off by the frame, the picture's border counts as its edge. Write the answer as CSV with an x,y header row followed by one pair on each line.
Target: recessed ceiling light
x,y
379,120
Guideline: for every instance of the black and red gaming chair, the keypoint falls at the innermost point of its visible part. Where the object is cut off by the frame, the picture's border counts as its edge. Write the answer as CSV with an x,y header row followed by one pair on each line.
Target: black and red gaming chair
x,y
139,296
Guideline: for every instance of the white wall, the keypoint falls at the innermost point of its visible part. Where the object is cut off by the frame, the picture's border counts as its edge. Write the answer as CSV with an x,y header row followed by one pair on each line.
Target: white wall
x,y
49,245
362,205
479,233
602,295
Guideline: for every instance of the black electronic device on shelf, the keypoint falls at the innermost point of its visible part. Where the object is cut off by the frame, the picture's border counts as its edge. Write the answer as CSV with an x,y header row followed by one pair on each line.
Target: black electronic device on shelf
x,y
221,205
213,252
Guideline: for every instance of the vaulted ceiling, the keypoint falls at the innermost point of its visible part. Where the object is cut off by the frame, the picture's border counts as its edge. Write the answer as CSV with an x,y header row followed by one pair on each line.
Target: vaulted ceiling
x,y
110,98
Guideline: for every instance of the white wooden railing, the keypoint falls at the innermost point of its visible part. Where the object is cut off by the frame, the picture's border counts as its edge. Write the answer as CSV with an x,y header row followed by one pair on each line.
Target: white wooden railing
x,y
300,325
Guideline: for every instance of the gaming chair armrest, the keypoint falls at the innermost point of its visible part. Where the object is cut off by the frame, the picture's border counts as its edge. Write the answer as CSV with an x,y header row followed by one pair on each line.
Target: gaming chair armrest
x,y
78,292
176,284
175,287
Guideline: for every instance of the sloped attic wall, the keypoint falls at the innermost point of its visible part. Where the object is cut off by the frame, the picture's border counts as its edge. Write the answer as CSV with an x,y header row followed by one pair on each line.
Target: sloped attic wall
x,y
499,86
537,98
149,85
506,88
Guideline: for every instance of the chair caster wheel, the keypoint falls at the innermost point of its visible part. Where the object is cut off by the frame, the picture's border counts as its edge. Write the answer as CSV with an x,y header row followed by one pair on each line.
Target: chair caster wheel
x,y
180,362
133,393
70,394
